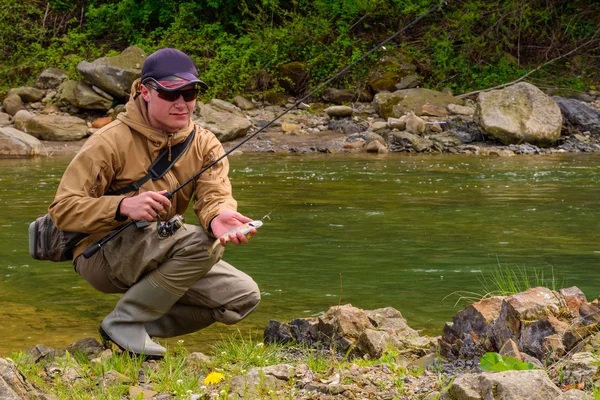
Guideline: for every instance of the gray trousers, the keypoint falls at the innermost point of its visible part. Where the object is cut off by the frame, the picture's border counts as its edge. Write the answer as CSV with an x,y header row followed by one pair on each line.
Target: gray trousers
x,y
215,289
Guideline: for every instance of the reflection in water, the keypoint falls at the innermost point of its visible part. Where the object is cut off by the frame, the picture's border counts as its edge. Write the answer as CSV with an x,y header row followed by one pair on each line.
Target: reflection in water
x,y
402,231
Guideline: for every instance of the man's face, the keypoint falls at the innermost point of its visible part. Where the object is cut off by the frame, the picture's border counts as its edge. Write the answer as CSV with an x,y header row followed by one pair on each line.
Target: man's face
x,y
169,116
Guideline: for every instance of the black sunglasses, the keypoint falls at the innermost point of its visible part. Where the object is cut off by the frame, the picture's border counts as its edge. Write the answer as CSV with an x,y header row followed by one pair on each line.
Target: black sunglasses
x,y
188,95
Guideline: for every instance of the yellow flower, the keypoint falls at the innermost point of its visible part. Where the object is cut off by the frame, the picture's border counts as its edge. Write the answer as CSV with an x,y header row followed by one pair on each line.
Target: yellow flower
x,y
213,378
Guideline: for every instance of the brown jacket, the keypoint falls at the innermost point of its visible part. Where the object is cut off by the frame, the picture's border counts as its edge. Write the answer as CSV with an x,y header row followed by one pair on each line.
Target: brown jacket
x,y
118,155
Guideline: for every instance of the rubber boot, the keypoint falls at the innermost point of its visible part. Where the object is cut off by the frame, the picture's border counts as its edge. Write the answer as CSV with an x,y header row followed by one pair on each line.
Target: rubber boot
x,y
181,319
144,301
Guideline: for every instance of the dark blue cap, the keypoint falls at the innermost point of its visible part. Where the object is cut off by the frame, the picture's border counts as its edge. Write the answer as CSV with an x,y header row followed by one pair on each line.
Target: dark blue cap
x,y
170,69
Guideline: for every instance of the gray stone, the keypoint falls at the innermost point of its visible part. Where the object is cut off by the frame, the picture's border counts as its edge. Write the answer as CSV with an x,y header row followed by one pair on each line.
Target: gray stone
x,y
460,110
12,103
580,367
222,105
14,143
90,347
519,113
579,114
574,394
5,119
115,75
81,95
226,126
404,141
401,102
243,103
56,127
50,78
408,82
21,118
339,111
341,96
28,94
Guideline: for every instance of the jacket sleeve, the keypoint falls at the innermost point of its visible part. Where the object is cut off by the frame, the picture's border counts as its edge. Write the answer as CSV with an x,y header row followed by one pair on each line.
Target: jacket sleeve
x,y
212,193
79,205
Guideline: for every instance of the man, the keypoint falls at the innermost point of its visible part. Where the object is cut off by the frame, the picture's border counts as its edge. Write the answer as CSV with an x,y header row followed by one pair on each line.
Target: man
x,y
172,286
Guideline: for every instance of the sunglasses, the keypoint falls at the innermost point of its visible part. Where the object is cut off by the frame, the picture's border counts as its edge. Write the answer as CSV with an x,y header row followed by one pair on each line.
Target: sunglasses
x,y
188,95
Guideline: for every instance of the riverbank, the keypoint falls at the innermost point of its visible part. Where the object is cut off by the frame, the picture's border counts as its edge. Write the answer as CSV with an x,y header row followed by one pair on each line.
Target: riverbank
x,y
349,353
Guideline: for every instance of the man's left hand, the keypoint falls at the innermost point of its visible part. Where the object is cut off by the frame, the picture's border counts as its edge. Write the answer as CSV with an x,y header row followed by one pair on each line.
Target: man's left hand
x,y
227,221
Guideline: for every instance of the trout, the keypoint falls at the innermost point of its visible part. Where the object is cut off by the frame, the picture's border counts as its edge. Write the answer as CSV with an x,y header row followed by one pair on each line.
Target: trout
x,y
245,229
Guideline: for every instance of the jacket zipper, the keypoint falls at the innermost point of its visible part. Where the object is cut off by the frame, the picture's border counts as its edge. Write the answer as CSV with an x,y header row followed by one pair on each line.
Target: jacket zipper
x,y
169,143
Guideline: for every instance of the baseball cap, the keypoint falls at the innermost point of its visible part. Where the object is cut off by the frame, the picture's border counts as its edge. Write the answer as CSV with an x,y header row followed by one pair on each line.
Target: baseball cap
x,y
170,69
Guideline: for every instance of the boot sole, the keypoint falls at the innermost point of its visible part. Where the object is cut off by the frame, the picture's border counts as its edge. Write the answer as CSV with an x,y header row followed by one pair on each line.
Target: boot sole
x,y
107,339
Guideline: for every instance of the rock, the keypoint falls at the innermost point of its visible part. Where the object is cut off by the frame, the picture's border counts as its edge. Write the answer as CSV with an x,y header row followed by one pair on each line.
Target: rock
x,y
400,102
222,105
580,367
508,385
293,77
457,109
224,125
56,127
434,111
341,96
248,386
28,94
115,74
404,141
414,124
88,346
346,126
379,125
339,111
579,114
289,127
13,385
5,119
376,147
136,393
408,82
113,377
343,325
392,70
397,123
243,103
100,122
519,113
102,93
50,78
355,144
574,394
198,358
81,95
12,103
21,118
14,143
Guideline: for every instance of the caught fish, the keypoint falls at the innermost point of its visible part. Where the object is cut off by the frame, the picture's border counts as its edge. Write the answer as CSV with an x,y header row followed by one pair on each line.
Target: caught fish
x,y
245,229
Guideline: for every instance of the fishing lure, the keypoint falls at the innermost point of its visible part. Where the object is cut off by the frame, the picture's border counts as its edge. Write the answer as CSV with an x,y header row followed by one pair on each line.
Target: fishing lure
x,y
245,229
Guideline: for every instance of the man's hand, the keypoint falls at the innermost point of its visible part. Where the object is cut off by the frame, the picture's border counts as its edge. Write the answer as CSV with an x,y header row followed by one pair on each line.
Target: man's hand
x,y
227,221
145,206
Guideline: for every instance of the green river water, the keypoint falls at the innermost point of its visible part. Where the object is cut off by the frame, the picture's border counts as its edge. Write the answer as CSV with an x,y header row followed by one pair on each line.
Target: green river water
x,y
402,231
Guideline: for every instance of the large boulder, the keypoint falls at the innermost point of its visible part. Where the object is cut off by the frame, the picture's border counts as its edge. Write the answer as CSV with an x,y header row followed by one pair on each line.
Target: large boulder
x,y
13,385
393,72
519,113
400,102
543,323
81,95
115,74
579,114
56,127
225,125
14,143
341,96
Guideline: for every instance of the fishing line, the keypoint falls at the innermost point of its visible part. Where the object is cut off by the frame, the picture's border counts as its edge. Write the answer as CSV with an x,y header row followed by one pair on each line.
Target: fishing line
x,y
169,195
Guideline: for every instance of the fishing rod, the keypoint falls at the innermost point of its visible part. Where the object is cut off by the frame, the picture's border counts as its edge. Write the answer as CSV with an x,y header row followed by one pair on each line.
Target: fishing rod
x,y
169,195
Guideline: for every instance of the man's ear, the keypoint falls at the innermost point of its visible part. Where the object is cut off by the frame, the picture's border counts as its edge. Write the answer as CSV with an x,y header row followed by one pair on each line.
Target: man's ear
x,y
145,92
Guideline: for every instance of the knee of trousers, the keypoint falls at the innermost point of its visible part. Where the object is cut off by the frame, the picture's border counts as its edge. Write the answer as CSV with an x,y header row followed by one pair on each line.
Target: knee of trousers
x,y
241,307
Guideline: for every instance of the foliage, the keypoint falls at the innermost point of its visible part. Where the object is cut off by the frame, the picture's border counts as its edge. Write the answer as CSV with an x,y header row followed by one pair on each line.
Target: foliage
x,y
240,45
494,362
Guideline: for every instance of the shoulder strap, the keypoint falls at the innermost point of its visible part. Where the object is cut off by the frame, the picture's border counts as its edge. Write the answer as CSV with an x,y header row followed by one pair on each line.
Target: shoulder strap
x,y
159,167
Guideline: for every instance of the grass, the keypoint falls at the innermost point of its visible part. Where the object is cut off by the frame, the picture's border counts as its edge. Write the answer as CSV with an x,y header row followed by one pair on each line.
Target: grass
x,y
502,280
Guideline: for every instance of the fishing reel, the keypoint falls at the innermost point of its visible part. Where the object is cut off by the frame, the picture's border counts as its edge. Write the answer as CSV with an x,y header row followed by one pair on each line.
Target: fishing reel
x,y
169,228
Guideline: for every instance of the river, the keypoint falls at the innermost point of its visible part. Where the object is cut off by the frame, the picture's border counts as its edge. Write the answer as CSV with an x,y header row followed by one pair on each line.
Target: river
x,y
413,232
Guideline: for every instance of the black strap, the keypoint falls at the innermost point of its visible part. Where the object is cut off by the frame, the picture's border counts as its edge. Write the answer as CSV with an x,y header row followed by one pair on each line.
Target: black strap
x,y
159,167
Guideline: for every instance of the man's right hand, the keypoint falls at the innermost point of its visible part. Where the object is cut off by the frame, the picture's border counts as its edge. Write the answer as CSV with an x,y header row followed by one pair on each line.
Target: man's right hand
x,y
145,206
